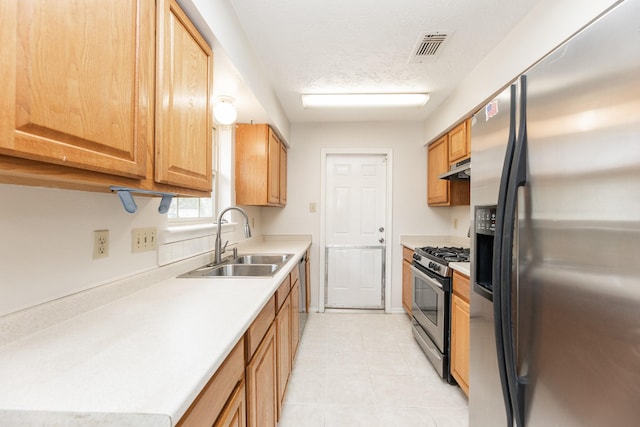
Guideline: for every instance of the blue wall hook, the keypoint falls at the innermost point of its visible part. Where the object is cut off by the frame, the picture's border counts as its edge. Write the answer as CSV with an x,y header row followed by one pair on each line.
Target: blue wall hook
x,y
129,204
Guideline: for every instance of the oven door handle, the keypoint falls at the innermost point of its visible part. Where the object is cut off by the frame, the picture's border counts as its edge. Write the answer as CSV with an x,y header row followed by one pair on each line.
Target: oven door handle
x,y
426,277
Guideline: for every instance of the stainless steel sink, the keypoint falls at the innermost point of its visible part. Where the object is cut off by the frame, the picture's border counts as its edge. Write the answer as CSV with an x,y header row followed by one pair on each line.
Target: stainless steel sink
x,y
262,259
235,270
249,265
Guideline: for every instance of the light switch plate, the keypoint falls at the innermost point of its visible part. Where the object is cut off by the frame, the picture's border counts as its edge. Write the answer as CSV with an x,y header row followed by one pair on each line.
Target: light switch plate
x,y
144,239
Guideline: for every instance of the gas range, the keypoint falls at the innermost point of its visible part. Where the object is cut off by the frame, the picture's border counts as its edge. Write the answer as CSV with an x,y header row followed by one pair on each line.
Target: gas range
x,y
437,259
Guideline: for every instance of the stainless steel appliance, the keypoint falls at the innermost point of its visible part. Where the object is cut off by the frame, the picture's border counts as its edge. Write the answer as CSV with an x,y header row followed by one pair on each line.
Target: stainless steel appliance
x,y
555,250
431,277
302,272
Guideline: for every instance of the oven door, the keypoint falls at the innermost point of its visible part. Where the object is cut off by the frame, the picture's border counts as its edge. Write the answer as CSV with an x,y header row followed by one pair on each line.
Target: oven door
x,y
429,306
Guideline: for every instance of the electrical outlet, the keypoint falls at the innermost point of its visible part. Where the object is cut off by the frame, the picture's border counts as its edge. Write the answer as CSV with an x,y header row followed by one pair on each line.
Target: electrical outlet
x,y
144,239
100,244
455,223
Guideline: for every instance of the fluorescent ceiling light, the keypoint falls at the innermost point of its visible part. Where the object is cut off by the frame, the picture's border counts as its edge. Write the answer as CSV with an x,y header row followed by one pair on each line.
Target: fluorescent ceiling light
x,y
365,100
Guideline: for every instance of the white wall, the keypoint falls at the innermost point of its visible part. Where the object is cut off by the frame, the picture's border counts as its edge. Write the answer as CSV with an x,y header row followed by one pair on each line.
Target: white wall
x,y
411,215
46,242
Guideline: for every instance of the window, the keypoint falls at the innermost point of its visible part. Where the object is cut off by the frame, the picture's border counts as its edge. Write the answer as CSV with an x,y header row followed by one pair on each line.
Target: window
x,y
191,208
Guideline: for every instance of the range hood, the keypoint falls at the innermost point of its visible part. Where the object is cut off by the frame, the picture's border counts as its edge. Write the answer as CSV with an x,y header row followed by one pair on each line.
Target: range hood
x,y
461,171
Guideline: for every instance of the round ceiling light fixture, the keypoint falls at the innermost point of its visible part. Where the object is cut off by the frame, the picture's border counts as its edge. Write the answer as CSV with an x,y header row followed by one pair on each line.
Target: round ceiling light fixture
x,y
224,111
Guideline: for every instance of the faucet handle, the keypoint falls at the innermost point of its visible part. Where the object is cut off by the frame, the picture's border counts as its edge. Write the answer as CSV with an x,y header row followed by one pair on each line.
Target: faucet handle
x,y
224,247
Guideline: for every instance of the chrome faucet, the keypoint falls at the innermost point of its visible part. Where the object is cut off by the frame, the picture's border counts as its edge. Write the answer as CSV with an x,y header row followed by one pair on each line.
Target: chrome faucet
x,y
247,232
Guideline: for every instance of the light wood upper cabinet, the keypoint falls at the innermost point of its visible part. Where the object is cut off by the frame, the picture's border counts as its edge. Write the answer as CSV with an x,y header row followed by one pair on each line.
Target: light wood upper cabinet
x,y
442,192
260,166
77,83
459,142
184,111
101,94
273,168
437,164
282,200
460,331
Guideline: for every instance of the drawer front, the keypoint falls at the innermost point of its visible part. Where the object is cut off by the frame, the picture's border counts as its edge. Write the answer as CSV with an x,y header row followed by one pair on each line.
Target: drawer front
x,y
282,292
259,327
295,275
407,254
461,285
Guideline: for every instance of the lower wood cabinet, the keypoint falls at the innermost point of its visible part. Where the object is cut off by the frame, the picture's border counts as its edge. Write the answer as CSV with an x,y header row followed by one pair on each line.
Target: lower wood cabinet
x,y
407,281
460,331
219,392
249,388
295,319
261,377
283,337
235,413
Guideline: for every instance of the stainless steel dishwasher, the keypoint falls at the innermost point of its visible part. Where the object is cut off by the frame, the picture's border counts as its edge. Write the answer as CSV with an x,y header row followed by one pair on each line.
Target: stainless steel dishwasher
x,y
303,292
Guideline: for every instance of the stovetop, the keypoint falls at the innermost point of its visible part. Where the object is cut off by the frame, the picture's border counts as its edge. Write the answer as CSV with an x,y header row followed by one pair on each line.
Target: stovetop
x,y
437,259
446,254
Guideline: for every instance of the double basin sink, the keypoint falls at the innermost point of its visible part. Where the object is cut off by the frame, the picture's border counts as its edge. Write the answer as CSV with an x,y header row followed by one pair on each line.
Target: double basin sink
x,y
249,265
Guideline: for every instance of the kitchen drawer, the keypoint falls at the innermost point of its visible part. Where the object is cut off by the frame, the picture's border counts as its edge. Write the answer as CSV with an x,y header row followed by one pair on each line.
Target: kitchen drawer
x,y
282,292
259,327
407,254
295,275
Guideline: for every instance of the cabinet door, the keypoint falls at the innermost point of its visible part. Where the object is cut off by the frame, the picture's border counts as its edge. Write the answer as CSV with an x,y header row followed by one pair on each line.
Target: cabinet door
x,y
273,169
184,115
437,164
235,413
262,392
407,287
295,319
460,342
283,175
283,338
459,143
77,83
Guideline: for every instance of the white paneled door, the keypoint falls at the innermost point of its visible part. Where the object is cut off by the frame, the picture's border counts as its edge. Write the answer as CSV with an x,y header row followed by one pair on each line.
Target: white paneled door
x,y
355,230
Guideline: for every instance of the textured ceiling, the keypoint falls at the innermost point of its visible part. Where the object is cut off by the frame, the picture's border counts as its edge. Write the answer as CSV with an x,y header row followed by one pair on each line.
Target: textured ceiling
x,y
327,46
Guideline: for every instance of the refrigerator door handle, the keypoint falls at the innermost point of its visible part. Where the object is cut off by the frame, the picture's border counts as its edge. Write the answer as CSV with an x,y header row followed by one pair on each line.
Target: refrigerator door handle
x,y
497,251
517,179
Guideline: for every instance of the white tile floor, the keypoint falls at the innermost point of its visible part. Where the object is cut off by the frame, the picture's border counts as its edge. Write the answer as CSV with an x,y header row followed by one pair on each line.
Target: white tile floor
x,y
367,370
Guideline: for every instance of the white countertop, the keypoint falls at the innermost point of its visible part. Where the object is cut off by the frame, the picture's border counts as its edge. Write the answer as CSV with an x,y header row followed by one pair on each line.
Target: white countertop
x,y
462,267
138,361
416,241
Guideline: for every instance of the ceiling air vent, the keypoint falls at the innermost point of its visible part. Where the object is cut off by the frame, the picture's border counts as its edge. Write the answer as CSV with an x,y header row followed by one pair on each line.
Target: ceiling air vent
x,y
429,45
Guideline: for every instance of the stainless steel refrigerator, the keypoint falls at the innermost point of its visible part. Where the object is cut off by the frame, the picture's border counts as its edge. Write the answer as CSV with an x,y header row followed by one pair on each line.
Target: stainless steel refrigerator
x,y
555,248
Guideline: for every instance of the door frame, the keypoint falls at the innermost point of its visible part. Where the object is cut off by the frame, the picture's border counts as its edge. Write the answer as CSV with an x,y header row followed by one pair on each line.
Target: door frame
x,y
325,152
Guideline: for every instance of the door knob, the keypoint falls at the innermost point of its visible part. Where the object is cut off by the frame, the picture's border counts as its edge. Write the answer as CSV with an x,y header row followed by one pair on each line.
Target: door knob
x,y
381,240
381,229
